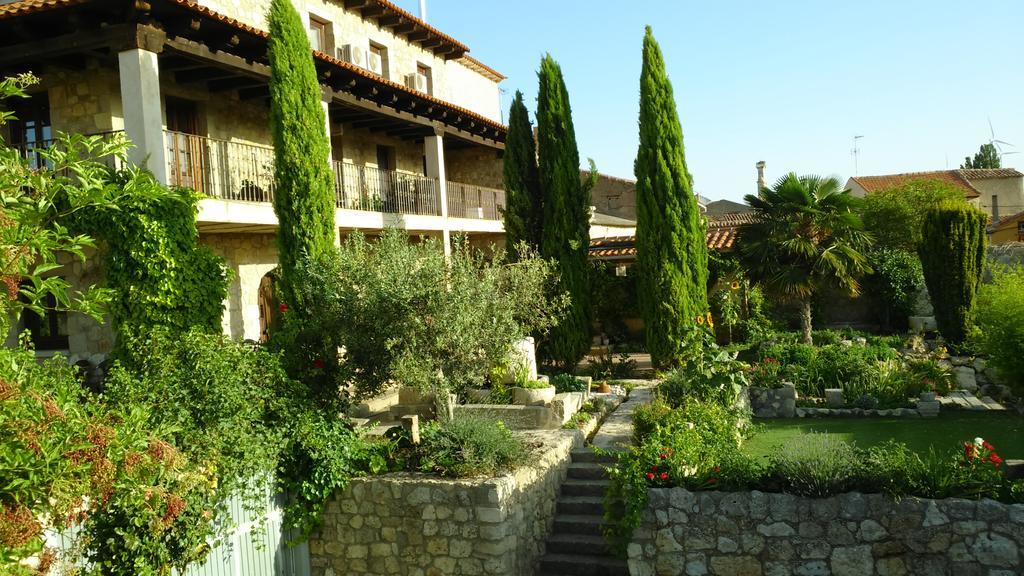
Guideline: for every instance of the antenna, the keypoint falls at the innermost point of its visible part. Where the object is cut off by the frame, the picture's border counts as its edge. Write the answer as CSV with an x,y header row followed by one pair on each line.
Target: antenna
x,y
856,153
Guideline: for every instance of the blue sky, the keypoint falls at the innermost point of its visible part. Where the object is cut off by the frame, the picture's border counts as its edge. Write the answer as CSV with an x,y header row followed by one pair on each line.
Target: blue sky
x,y
789,82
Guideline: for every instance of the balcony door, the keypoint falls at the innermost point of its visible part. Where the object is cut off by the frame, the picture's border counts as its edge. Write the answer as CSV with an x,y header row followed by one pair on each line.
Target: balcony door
x,y
186,153
30,130
385,176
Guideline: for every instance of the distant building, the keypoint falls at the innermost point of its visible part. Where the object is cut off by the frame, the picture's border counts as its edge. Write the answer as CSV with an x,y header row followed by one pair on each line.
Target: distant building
x,y
616,196
1007,230
996,191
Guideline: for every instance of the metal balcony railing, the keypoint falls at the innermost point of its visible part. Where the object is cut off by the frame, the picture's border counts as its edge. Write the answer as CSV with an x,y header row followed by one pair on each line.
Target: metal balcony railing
x,y
245,172
220,168
472,201
376,190
32,151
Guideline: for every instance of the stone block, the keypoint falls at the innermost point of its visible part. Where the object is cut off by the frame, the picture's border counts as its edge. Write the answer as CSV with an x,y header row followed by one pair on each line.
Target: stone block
x,y
965,379
852,561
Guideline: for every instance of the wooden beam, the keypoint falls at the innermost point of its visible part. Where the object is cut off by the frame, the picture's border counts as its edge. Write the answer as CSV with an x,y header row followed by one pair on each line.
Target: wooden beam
x,y
353,4
207,74
254,93
389,21
117,37
235,83
371,11
432,43
418,35
404,28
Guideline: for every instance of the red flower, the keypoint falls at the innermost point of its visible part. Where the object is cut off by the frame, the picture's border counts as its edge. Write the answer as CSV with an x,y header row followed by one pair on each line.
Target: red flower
x,y
995,459
663,476
654,468
718,469
662,456
319,364
282,307
988,446
650,475
712,480
969,449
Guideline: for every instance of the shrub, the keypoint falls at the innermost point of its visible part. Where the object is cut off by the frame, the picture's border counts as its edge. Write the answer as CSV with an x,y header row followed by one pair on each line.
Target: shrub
x,y
68,461
606,368
816,465
468,446
706,373
894,217
534,384
568,383
647,417
929,375
1000,317
952,255
894,285
403,313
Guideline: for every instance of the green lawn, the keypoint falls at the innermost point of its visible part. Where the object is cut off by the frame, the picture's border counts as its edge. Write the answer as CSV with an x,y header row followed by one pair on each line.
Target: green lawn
x,y
1005,431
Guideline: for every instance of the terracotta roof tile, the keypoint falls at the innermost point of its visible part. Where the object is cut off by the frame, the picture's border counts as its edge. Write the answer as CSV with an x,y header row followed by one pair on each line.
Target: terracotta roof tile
x,y
989,173
1005,220
24,7
955,177
484,69
721,235
395,9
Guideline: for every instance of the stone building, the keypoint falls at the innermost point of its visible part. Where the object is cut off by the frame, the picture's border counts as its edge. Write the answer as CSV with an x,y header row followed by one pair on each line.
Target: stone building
x,y
998,192
414,122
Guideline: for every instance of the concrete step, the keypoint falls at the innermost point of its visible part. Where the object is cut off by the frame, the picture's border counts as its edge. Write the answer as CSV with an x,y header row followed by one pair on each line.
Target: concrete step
x,y
575,487
579,565
399,410
588,470
579,524
578,544
590,505
588,455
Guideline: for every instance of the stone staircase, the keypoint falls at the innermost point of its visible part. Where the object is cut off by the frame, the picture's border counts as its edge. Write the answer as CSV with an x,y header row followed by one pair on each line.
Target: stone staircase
x,y
576,545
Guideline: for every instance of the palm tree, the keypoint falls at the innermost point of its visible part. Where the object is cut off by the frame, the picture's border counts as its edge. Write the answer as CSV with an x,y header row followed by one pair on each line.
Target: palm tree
x,y
805,236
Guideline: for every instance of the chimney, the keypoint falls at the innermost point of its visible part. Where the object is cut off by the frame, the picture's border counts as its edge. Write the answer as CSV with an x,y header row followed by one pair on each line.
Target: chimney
x,y
760,176
423,10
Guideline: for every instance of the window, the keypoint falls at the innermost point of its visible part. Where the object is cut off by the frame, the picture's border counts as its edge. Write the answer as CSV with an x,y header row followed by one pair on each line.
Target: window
x,y
424,70
49,331
319,34
31,129
379,60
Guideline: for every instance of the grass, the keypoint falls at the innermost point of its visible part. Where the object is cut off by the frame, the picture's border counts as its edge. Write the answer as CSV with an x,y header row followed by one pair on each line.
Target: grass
x,y
1005,431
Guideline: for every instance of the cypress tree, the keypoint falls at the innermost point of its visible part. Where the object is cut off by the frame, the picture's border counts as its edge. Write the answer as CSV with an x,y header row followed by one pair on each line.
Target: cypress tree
x,y
952,252
566,235
304,185
672,256
524,204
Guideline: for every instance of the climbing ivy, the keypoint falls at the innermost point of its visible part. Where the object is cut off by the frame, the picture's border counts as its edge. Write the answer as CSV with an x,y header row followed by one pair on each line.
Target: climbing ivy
x,y
159,273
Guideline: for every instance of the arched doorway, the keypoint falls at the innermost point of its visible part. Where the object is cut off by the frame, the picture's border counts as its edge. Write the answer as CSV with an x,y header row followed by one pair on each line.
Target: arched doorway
x,y
268,310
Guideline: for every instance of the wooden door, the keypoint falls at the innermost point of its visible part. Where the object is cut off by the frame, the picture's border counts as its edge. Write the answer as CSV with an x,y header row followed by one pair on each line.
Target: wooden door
x,y
187,153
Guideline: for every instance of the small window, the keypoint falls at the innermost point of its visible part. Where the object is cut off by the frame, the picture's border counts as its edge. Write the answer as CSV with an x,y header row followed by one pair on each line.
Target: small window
x,y
319,34
379,60
424,70
49,331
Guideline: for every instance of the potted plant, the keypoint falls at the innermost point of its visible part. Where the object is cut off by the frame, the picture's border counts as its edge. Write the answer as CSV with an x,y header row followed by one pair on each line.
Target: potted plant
x,y
533,393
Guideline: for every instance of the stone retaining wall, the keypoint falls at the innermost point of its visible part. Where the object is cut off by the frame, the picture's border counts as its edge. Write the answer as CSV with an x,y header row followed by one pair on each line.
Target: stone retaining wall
x,y
419,525
753,533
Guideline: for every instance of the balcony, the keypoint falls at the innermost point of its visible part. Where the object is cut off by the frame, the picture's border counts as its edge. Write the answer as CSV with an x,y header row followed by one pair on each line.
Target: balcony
x,y
245,172
32,152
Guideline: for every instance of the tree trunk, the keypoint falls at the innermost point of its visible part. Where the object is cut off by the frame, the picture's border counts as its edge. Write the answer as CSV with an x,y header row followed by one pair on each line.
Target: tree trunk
x,y
805,321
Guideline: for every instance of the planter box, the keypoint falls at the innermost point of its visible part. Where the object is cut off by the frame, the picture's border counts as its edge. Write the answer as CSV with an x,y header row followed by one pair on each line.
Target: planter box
x,y
477,395
533,396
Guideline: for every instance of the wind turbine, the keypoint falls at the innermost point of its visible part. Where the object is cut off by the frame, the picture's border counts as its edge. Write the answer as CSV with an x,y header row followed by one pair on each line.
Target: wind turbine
x,y
996,143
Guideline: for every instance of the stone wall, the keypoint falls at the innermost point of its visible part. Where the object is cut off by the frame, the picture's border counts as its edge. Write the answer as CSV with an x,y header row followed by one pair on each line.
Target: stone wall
x,y
753,533
773,402
249,257
419,525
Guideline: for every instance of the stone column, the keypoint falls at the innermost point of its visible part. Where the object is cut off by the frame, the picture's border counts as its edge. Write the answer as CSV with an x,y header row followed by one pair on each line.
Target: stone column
x,y
434,150
141,103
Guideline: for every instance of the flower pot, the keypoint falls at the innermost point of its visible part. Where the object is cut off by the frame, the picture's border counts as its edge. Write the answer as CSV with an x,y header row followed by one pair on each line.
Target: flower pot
x,y
532,396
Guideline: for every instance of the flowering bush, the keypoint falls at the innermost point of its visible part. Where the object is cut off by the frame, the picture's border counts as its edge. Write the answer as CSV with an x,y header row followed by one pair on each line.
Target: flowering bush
x,y
706,372
68,462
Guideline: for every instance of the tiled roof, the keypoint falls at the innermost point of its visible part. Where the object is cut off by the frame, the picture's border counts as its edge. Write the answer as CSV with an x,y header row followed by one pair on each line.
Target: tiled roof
x,y
989,173
721,235
30,6
483,69
1005,220
954,177
397,11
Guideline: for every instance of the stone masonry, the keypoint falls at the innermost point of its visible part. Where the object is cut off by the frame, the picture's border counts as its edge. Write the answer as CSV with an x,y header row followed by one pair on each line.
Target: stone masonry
x,y
420,525
754,533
